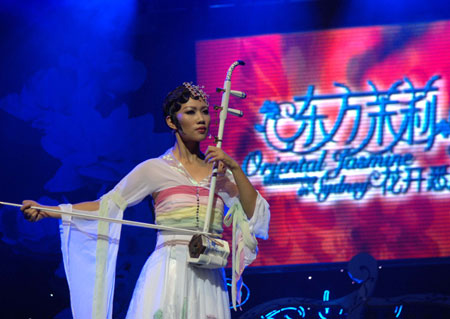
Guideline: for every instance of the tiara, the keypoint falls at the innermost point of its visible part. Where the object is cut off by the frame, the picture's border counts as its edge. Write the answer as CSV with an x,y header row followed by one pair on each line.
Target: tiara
x,y
196,91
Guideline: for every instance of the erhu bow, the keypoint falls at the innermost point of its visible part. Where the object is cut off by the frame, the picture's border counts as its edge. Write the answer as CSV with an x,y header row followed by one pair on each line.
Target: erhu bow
x,y
90,216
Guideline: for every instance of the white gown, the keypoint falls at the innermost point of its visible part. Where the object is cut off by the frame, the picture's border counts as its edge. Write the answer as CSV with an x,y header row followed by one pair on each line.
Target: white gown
x,y
168,287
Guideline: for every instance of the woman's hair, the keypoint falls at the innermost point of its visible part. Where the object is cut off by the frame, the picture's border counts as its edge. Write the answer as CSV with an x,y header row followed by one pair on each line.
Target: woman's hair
x,y
180,95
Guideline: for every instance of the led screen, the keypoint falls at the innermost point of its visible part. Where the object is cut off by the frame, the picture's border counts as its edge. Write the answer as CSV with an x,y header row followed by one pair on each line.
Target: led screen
x,y
346,134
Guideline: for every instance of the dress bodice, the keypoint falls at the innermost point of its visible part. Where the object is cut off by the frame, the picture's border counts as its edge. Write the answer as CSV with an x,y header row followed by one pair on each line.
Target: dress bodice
x,y
184,206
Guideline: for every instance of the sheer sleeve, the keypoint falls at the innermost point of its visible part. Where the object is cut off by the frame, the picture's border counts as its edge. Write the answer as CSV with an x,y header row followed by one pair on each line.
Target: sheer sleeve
x,y
244,246
259,223
139,183
90,248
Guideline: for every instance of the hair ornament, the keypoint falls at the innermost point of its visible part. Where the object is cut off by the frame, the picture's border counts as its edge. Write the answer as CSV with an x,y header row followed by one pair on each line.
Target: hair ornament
x,y
196,91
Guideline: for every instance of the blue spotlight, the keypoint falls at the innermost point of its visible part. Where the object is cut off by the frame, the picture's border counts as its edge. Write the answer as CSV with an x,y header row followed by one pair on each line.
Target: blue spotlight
x,y
398,311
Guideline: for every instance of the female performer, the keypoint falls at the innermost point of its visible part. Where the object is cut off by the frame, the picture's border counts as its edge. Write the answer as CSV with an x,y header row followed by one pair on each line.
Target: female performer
x,y
168,287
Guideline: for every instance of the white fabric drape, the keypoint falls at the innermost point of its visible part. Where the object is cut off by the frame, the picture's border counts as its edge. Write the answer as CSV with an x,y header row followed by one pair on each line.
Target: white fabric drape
x,y
168,287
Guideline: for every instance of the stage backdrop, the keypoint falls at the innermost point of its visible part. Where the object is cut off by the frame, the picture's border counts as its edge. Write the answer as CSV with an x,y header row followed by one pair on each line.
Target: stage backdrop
x,y
346,134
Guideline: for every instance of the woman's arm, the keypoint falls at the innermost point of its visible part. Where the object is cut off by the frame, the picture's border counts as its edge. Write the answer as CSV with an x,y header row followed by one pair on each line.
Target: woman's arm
x,y
247,193
132,188
34,215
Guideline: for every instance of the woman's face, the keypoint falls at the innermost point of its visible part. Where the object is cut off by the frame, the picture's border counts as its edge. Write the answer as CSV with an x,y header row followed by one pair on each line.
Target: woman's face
x,y
194,120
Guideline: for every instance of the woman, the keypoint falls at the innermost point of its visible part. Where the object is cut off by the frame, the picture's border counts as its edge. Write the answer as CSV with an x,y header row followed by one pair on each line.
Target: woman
x,y
178,181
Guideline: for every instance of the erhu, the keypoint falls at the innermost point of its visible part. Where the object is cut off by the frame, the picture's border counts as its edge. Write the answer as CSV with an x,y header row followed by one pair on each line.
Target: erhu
x,y
205,251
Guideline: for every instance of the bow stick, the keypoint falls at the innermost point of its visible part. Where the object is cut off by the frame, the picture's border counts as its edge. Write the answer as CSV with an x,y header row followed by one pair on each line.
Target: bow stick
x,y
83,214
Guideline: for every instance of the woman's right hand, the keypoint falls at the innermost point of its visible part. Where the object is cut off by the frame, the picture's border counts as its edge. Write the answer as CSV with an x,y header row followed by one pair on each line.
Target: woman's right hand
x,y
33,214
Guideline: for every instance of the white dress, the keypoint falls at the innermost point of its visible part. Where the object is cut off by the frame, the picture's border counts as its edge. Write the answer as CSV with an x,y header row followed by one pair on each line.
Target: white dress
x,y
168,287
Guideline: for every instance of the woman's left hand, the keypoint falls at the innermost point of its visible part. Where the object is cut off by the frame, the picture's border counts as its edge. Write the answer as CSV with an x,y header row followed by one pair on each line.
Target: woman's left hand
x,y
215,154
